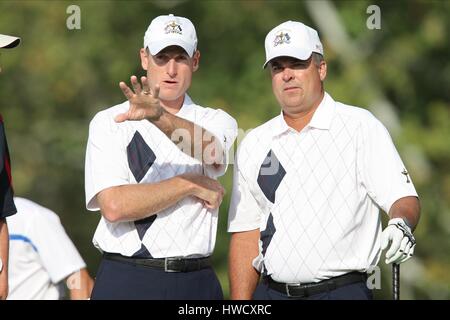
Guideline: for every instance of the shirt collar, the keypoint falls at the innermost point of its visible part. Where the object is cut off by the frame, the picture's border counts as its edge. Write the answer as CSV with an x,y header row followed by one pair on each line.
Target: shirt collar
x,y
324,113
280,126
321,119
186,104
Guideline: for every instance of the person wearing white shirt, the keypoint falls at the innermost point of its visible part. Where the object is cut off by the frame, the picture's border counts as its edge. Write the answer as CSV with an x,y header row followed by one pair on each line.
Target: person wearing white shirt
x,y
42,256
151,169
308,186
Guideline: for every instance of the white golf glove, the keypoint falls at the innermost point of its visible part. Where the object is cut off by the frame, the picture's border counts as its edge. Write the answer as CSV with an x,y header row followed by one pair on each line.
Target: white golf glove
x,y
402,241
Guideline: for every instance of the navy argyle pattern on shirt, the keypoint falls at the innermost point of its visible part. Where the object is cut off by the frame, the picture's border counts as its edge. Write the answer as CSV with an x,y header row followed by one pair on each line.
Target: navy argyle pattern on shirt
x,y
140,158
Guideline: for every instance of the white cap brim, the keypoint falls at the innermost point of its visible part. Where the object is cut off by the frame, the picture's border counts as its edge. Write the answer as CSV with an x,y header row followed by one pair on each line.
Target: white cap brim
x,y
156,47
8,42
298,53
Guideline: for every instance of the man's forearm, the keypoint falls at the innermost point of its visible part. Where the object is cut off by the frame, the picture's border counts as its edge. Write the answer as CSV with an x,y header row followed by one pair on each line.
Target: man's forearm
x,y
243,276
191,138
80,285
407,208
4,251
137,201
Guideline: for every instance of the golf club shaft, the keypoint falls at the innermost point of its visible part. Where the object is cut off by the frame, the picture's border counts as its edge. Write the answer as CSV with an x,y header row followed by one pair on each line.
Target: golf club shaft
x,y
395,281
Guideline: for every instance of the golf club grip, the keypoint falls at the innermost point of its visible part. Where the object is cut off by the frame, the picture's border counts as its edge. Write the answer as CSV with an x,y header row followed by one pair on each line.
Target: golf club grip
x,y
395,281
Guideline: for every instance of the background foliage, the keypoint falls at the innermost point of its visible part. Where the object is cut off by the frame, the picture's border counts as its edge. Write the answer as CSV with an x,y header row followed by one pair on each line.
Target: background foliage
x,y
58,79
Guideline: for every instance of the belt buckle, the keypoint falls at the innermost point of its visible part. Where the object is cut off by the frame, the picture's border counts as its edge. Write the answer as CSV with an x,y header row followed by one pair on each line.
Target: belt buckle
x,y
297,285
166,267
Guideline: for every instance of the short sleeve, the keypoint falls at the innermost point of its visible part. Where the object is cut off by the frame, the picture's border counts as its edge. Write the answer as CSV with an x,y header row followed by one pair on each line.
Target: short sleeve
x,y
244,213
224,128
380,167
57,252
7,206
106,161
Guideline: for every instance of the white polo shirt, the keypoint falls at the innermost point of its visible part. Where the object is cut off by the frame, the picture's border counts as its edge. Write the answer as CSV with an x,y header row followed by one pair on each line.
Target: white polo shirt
x,y
316,200
41,254
138,152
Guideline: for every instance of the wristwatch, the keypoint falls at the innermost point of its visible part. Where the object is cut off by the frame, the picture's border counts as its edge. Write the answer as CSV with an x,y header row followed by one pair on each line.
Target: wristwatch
x,y
1,265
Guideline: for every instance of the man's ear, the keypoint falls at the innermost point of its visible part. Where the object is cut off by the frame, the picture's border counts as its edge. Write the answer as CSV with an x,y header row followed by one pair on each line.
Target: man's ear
x,y
144,58
196,61
323,70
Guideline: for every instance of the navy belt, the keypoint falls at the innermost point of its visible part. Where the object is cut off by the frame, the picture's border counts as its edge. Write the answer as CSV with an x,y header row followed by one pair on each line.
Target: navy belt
x,y
166,264
303,290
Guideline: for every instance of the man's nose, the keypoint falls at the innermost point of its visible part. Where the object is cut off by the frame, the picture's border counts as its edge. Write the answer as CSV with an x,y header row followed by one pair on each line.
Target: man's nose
x,y
172,68
287,74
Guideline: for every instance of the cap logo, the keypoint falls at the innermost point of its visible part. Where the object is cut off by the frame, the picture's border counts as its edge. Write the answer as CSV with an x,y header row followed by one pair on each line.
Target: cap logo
x,y
173,27
281,37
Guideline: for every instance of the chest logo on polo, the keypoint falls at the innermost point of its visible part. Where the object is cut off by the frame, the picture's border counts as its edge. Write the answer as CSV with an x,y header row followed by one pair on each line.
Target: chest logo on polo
x,y
270,176
281,37
173,27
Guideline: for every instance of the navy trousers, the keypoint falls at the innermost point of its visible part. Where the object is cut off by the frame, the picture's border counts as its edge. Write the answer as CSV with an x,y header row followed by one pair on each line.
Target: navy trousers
x,y
355,291
123,281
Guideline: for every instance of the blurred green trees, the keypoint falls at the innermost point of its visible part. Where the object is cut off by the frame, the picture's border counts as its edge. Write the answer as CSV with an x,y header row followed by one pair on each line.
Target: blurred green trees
x,y
54,83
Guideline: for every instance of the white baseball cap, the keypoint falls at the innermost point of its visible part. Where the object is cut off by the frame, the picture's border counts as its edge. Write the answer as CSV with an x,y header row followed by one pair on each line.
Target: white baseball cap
x,y
170,30
8,42
292,39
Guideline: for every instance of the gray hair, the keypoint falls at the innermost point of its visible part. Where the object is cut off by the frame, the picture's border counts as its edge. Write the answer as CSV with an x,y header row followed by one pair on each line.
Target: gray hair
x,y
317,58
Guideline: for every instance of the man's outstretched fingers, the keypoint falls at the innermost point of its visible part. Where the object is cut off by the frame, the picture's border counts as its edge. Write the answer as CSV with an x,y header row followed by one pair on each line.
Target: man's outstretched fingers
x,y
136,85
126,90
145,86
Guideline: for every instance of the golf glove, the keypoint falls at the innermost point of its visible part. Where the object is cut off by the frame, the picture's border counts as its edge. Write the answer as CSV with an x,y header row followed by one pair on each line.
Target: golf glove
x,y
399,234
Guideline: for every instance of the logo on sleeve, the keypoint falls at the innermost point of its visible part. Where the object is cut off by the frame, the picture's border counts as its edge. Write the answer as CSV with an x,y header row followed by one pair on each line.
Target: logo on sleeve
x,y
406,175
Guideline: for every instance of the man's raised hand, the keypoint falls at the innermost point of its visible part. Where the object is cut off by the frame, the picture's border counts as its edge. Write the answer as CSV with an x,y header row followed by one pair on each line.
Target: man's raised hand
x,y
144,102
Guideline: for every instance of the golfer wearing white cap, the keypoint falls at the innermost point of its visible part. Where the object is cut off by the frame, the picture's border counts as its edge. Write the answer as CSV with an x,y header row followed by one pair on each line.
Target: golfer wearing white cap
x,y
151,169
7,206
308,186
